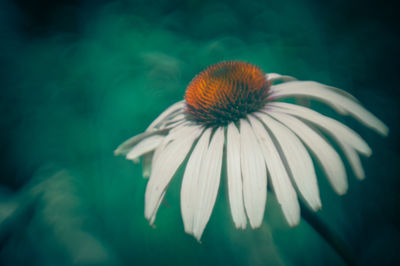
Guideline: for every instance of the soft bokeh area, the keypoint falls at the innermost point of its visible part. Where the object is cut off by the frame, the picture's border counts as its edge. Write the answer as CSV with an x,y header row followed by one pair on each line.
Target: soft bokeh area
x,y
80,77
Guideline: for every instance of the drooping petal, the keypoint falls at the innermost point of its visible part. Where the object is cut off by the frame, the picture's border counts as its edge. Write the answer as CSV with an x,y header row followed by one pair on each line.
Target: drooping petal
x,y
172,136
170,110
254,175
278,77
167,158
145,146
127,145
146,164
333,127
208,183
284,191
347,139
191,178
299,164
326,155
235,186
354,160
332,97
174,121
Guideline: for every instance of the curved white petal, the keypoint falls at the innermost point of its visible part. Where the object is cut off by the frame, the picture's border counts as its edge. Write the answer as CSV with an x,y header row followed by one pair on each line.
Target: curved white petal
x,y
145,146
235,186
208,183
348,140
281,183
354,160
326,155
170,110
172,136
300,166
254,175
278,77
127,145
330,96
337,130
155,128
190,180
167,158
173,121
146,164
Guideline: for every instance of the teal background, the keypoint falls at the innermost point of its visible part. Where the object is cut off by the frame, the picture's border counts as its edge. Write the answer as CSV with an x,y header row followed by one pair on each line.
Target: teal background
x,y
80,77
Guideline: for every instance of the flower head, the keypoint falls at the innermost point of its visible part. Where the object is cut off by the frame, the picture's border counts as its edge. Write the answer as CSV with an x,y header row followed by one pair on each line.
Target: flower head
x,y
267,141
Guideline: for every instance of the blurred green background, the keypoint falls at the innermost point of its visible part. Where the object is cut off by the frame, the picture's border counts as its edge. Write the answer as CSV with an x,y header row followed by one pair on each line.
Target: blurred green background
x,y
80,77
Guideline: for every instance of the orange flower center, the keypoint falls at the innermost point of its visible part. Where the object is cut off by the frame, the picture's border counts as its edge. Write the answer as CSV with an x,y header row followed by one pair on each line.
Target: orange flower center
x,y
226,92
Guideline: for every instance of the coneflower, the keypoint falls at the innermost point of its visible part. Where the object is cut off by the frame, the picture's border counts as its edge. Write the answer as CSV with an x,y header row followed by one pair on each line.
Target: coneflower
x,y
268,143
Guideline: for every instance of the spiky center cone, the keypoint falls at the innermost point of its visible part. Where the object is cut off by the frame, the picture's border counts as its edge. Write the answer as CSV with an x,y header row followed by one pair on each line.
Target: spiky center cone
x,y
226,92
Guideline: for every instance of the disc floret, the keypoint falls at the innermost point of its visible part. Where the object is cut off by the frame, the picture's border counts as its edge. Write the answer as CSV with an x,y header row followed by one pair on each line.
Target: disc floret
x,y
226,92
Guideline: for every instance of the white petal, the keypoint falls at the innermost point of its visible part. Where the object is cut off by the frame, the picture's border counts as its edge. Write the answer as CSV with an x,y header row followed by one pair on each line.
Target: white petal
x,y
235,186
167,158
326,155
145,146
173,121
175,118
298,162
146,164
334,128
190,180
127,145
254,175
278,77
354,160
347,139
208,183
331,96
284,191
172,136
170,110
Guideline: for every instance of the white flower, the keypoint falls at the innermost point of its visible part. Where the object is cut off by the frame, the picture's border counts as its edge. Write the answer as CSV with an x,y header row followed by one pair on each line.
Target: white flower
x,y
234,104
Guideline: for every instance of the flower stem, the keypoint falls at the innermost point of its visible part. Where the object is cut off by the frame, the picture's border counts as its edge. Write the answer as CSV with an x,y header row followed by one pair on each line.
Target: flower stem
x,y
337,243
